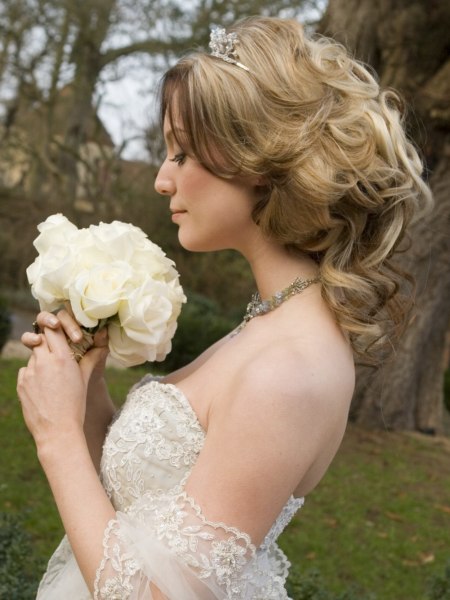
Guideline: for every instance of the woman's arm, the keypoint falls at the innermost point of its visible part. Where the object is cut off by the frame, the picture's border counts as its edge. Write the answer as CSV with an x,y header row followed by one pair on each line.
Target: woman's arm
x,y
82,503
100,408
52,390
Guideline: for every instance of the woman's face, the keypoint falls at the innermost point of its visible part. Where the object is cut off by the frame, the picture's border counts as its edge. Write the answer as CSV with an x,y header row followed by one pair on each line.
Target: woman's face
x,y
212,213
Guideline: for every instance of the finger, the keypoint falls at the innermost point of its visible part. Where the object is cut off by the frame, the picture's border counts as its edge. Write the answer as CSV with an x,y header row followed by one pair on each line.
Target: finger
x,y
20,376
32,358
30,340
40,350
68,308
47,319
101,339
96,357
54,341
70,325
20,383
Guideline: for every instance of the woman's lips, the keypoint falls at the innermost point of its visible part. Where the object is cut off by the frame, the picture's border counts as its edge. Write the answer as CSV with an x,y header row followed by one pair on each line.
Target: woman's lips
x,y
176,214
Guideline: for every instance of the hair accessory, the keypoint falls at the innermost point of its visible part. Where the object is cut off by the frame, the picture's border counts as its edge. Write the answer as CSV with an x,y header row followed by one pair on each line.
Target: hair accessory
x,y
257,307
222,46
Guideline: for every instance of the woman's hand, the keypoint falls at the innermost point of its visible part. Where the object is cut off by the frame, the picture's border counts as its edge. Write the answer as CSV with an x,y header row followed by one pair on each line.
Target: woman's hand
x,y
66,321
53,386
63,319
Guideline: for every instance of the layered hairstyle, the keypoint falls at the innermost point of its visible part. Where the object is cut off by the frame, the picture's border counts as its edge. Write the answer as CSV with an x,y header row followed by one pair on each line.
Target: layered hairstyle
x,y
342,181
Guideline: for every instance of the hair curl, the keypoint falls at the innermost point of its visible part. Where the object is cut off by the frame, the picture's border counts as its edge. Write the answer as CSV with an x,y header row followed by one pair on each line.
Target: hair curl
x,y
343,181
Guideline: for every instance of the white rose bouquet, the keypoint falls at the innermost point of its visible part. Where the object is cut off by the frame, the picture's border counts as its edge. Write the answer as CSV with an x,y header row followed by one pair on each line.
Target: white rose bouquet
x,y
112,276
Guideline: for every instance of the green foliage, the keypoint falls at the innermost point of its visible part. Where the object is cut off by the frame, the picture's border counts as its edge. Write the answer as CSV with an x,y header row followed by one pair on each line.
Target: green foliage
x,y
199,326
439,585
5,322
17,563
307,586
311,586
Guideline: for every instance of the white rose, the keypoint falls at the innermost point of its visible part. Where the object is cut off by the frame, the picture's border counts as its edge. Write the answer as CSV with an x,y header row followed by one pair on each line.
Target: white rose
x,y
119,240
151,263
129,352
145,313
96,293
56,230
126,242
48,275
148,319
88,253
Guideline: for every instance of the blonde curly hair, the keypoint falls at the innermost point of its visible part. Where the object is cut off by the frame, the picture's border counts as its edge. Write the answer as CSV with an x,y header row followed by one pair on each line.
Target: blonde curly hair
x,y
343,181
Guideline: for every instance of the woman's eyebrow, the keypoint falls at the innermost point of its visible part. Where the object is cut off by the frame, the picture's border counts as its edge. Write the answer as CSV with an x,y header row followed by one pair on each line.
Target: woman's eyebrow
x,y
170,134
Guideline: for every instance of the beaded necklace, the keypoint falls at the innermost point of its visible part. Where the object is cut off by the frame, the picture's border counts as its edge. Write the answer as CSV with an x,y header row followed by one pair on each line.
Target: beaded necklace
x,y
257,307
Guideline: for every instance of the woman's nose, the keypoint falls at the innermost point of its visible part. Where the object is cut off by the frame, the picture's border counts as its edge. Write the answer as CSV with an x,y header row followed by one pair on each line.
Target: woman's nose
x,y
164,184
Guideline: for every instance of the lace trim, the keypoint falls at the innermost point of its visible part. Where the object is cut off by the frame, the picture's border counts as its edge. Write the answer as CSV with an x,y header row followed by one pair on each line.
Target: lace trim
x,y
226,555
124,565
213,551
149,378
283,520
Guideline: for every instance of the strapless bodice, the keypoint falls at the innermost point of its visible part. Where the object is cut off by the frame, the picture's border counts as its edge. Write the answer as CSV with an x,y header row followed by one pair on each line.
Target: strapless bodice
x,y
153,444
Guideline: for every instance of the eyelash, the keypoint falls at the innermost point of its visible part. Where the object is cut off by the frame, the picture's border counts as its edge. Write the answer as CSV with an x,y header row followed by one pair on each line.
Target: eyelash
x,y
179,158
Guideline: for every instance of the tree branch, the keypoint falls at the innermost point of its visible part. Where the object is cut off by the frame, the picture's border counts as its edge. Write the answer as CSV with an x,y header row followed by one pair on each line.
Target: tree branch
x,y
146,47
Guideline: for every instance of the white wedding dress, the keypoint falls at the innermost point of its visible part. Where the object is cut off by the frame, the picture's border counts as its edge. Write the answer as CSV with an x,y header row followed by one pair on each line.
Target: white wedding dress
x,y
160,536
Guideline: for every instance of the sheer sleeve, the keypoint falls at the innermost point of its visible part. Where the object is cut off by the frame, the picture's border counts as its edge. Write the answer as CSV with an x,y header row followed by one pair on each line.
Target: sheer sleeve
x,y
164,540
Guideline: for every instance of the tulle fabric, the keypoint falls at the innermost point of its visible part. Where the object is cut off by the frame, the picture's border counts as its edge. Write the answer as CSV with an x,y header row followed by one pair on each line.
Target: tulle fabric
x,y
63,578
170,577
166,541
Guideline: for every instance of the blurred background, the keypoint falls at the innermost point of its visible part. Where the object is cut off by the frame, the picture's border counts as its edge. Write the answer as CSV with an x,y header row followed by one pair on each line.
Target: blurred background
x,y
79,136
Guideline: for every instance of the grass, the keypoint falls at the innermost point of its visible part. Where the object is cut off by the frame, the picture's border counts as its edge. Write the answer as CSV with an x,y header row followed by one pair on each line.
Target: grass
x,y
381,516
380,519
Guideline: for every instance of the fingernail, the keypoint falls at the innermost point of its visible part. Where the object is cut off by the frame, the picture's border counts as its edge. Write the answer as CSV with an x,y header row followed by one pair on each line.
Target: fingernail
x,y
76,335
52,321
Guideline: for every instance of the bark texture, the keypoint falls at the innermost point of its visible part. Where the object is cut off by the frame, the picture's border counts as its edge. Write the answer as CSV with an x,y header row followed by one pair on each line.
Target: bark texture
x,y
407,43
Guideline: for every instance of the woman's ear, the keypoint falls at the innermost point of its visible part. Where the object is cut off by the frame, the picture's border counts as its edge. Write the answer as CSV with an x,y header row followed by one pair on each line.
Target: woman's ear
x,y
262,191
261,181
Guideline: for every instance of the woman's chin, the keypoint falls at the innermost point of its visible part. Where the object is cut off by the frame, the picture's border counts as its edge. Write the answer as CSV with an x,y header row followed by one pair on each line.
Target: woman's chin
x,y
194,244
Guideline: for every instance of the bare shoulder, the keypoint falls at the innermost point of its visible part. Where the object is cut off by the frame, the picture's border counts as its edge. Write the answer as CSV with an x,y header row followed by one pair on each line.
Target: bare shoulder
x,y
318,374
286,404
297,394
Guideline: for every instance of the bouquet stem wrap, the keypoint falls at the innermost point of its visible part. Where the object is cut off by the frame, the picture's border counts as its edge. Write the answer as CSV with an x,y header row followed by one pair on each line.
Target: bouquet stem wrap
x,y
79,349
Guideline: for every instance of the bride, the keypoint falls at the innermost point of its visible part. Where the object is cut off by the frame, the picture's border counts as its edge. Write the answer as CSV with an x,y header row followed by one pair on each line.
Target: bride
x,y
285,149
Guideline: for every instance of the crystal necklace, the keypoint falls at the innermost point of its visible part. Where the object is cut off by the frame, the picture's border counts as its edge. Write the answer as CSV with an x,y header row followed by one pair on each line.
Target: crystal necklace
x,y
257,307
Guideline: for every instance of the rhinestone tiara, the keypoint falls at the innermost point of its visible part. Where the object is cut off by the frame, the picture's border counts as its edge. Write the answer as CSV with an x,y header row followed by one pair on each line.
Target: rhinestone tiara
x,y
222,46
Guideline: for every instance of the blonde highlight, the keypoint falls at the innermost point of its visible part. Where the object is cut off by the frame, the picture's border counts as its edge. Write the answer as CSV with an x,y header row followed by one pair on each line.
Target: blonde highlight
x,y
343,180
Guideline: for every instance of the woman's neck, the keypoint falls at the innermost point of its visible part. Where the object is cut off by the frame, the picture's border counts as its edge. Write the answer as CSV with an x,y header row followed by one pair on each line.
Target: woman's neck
x,y
274,267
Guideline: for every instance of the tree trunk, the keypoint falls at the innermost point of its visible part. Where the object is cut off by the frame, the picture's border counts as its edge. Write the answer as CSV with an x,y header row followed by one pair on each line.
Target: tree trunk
x,y
92,21
406,42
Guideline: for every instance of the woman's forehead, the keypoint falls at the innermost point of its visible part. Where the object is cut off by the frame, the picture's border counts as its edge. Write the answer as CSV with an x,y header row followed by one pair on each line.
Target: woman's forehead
x,y
173,128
